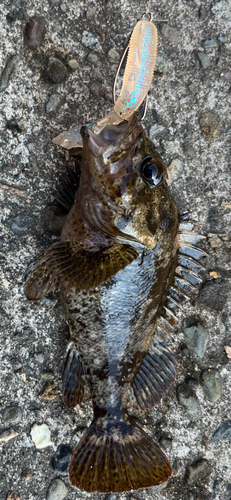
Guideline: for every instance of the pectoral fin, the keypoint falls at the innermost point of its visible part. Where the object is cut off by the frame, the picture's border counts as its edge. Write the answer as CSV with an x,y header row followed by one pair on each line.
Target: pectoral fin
x,y
75,267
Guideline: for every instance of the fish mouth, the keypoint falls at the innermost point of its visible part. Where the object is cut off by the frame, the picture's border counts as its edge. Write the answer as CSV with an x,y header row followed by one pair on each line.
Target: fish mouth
x,y
113,139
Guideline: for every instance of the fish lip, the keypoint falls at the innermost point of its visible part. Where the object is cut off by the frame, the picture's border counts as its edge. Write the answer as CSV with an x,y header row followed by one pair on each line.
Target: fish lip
x,y
99,146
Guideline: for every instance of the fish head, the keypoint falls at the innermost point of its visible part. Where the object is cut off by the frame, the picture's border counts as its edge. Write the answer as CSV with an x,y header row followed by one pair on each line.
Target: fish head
x,y
122,190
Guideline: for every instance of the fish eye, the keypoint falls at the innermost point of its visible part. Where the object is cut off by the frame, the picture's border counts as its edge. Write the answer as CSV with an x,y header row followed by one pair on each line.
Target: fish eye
x,y
151,172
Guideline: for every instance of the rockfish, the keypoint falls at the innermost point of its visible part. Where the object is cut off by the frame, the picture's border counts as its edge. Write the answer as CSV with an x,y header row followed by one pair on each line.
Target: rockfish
x,y
124,264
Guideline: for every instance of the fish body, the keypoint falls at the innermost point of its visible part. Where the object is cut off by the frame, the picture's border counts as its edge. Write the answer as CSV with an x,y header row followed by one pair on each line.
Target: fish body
x,y
120,246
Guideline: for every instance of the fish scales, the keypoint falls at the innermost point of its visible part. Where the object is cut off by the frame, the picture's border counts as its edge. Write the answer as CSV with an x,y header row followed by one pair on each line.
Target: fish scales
x,y
116,266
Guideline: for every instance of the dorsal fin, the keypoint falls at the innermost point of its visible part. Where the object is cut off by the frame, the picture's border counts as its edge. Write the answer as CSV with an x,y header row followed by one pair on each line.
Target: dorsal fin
x,y
158,368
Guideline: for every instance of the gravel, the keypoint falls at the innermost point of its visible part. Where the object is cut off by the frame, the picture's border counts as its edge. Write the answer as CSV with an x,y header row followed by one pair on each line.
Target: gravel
x,y
191,103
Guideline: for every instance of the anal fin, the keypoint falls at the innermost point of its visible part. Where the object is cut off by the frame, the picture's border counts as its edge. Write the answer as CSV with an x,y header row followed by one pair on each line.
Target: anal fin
x,y
155,376
72,383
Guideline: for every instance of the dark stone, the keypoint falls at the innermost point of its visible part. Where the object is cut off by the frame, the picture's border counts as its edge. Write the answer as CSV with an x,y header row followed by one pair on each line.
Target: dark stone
x,y
21,224
34,31
197,336
224,430
203,59
14,126
187,398
155,116
56,71
214,293
198,471
6,74
61,459
210,124
212,383
203,13
188,150
12,414
165,442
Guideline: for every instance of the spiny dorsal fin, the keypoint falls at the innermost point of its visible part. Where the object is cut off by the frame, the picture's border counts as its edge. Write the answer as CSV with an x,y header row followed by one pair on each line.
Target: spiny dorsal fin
x,y
75,267
186,273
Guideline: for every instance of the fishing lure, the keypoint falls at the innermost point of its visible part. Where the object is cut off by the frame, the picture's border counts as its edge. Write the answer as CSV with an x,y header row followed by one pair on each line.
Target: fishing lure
x,y
138,75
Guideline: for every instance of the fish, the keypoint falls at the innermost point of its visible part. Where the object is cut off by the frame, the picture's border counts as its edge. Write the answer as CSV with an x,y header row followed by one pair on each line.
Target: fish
x,y
125,264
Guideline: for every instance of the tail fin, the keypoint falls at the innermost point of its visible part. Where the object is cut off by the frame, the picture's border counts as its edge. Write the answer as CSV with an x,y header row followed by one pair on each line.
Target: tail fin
x,y
115,458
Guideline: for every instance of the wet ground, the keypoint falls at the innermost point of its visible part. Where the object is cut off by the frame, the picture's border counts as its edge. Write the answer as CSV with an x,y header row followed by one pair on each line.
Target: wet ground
x,y
44,92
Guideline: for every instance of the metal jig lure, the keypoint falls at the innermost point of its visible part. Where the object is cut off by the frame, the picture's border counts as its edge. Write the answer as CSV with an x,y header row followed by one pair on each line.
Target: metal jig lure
x,y
141,58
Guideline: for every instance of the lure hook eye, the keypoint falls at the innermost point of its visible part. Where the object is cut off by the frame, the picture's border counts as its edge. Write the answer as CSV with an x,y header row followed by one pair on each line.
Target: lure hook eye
x,y
151,171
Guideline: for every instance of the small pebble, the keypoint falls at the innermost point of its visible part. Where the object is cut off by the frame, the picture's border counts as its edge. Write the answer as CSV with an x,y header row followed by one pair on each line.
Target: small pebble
x,y
165,443
21,224
73,64
224,430
16,364
63,7
214,274
57,490
34,31
89,40
48,375
198,338
49,392
56,71
162,63
210,44
171,34
12,414
113,56
155,116
198,471
210,124
93,58
174,170
6,74
214,293
203,13
188,150
95,89
155,130
203,59
7,435
53,103
187,398
61,459
41,435
212,383
228,351
222,38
